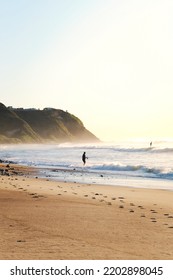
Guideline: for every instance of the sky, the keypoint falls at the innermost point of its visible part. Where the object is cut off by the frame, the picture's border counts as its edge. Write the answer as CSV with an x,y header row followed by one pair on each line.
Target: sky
x,y
109,62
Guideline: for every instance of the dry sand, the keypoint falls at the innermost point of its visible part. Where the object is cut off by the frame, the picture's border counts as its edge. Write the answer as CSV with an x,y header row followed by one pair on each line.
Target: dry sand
x,y
43,219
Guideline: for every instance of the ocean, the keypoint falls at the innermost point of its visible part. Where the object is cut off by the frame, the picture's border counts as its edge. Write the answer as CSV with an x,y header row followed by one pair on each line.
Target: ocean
x,y
131,164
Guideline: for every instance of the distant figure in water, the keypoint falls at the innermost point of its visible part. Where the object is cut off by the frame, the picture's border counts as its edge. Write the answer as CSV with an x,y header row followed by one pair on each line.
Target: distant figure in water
x,y
151,144
84,158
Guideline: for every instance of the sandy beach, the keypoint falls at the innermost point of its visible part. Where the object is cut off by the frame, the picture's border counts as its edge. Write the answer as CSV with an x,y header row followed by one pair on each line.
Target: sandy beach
x,y
44,219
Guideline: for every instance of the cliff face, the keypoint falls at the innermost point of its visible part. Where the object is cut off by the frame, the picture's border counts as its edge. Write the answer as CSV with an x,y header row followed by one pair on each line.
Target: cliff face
x,y
13,129
34,126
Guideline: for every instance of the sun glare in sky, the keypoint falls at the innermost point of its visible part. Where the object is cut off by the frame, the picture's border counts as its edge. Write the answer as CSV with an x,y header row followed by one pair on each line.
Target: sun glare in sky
x,y
110,63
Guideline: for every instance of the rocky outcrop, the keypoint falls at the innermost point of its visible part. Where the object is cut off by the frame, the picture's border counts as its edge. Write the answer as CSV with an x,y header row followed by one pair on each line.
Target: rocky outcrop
x,y
18,125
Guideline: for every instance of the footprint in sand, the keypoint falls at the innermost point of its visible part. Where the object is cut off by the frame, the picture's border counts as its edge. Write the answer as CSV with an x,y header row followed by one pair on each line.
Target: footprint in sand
x,y
132,204
131,211
121,206
109,203
153,220
153,211
113,198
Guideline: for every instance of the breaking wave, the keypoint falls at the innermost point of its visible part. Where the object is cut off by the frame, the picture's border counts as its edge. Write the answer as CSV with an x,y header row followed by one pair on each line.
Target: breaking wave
x,y
135,170
143,150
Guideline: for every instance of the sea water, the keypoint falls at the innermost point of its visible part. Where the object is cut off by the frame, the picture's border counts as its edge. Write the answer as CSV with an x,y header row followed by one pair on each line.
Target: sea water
x,y
135,164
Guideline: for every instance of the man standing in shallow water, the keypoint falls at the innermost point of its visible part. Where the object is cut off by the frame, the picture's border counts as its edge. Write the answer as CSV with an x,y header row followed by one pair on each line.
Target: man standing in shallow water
x,y
84,158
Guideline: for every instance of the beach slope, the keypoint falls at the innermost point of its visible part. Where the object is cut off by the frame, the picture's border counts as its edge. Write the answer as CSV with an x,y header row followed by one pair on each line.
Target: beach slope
x,y
44,219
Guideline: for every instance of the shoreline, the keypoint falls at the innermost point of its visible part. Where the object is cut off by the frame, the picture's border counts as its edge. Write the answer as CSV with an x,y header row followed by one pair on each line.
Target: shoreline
x,y
89,177
46,219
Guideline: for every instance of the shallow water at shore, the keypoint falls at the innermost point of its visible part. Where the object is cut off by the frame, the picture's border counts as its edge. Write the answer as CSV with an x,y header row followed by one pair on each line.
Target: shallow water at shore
x,y
86,177
134,164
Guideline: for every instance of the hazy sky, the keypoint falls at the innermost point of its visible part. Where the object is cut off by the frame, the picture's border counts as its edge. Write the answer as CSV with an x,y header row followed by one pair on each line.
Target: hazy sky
x,y
109,62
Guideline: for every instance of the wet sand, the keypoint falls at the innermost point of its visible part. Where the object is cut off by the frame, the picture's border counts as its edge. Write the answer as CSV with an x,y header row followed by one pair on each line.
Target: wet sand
x,y
44,219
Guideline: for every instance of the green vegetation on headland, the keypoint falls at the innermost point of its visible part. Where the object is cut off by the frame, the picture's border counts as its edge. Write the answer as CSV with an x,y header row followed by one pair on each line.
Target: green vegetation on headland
x,y
18,125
